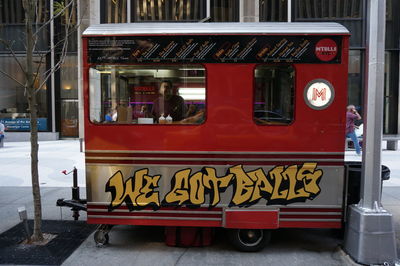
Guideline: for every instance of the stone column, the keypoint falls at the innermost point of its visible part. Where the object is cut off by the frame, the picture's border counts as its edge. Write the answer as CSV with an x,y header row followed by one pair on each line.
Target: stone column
x,y
249,11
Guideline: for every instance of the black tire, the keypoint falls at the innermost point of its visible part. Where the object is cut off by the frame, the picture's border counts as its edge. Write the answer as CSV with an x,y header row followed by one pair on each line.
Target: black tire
x,y
249,240
101,238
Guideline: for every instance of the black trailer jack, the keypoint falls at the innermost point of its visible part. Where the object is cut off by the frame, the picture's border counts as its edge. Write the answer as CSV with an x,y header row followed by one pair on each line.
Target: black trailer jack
x,y
76,203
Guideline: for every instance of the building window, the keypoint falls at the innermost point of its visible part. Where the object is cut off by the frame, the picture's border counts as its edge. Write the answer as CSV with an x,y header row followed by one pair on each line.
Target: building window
x,y
273,10
69,97
392,25
274,95
146,94
224,10
349,13
11,12
14,111
355,78
113,11
172,10
391,93
12,19
328,9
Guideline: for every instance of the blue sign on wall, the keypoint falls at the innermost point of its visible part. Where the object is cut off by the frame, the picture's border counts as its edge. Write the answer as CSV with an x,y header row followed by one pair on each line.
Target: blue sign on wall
x,y
23,124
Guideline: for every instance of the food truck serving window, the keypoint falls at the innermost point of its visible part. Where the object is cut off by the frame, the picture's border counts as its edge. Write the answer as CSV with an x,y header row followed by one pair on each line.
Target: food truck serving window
x,y
147,94
273,95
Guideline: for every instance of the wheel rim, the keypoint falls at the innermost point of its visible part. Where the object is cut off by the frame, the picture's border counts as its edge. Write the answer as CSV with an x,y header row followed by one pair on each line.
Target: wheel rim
x,y
250,237
100,238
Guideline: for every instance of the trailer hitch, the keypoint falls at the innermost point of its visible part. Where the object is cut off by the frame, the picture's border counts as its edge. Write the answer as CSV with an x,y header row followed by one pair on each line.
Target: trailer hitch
x,y
76,203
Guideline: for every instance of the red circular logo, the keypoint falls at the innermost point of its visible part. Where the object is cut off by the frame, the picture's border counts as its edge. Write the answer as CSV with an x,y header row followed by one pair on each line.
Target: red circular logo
x,y
326,49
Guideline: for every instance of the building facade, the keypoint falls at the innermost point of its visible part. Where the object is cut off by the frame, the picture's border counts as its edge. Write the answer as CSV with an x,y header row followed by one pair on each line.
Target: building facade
x,y
61,104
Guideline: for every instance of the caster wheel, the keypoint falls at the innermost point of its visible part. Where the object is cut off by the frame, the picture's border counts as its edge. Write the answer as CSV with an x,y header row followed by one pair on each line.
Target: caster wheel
x,y
101,238
249,240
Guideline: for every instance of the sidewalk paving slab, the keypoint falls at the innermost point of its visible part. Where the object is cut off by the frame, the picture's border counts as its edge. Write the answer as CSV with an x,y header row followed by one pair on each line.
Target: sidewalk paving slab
x,y
135,245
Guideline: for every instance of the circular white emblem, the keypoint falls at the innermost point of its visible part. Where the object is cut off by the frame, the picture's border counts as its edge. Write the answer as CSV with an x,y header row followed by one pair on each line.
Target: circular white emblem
x,y
319,94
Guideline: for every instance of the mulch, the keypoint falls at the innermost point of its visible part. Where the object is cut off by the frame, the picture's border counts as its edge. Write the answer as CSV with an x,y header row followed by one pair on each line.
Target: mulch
x,y
69,236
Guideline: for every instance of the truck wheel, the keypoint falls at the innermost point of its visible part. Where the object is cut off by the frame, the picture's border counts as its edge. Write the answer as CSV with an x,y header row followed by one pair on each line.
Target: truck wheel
x,y
249,240
101,238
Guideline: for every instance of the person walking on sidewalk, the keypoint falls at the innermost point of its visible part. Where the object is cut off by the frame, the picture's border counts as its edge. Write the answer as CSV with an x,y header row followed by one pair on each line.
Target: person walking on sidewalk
x,y
2,129
351,116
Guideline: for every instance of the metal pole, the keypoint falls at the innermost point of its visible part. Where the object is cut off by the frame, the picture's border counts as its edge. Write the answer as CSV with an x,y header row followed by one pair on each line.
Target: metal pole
x,y
370,236
81,117
373,106
52,63
128,11
398,101
289,11
208,9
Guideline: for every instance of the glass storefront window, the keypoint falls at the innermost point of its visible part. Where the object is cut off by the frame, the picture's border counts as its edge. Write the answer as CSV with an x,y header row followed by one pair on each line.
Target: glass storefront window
x,y
14,111
184,10
274,95
355,79
69,97
329,9
176,10
12,12
147,94
224,10
69,77
273,10
348,13
392,25
391,93
113,11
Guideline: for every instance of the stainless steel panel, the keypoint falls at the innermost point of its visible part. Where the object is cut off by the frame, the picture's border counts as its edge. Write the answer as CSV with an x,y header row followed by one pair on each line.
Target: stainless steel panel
x,y
330,183
216,28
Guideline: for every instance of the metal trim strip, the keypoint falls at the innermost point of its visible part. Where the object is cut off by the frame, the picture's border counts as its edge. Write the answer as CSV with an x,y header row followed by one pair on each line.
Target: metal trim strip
x,y
157,211
215,152
252,210
211,159
284,207
154,218
308,220
309,213
197,165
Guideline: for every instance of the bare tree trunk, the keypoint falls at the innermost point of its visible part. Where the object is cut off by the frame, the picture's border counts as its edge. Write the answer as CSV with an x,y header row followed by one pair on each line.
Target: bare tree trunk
x,y
29,7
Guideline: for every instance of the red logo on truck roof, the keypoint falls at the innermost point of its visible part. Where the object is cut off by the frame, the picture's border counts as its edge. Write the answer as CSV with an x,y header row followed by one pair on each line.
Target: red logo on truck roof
x,y
326,50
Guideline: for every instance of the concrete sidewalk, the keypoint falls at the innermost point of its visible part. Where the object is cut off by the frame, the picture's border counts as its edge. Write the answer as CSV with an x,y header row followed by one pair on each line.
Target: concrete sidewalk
x,y
131,245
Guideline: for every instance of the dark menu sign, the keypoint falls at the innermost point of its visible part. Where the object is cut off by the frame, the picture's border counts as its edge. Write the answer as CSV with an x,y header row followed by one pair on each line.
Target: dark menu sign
x,y
215,49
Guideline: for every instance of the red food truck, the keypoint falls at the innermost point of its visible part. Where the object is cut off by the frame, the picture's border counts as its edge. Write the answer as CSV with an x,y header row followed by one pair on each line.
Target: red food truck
x,y
204,125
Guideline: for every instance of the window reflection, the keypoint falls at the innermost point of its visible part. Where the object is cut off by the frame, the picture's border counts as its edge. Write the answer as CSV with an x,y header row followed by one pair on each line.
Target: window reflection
x,y
274,95
147,94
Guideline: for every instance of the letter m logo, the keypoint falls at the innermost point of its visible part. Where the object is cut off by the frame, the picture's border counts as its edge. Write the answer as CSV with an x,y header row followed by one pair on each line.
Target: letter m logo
x,y
319,93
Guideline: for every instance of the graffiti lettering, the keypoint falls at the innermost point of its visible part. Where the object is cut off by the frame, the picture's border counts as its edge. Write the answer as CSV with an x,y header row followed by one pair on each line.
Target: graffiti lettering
x,y
135,192
282,185
192,189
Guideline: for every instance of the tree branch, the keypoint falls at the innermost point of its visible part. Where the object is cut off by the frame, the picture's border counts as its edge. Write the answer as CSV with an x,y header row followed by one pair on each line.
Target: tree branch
x,y
38,67
11,77
9,47
63,55
54,17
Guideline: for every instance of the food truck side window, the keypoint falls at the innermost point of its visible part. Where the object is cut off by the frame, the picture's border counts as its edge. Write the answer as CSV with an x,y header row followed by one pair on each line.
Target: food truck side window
x,y
147,94
273,95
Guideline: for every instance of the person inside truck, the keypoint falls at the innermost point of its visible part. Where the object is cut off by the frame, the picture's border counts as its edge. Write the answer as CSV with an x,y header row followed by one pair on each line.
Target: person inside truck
x,y
168,104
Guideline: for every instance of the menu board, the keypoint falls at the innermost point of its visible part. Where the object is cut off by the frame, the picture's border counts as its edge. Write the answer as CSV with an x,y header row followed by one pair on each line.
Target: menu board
x,y
215,49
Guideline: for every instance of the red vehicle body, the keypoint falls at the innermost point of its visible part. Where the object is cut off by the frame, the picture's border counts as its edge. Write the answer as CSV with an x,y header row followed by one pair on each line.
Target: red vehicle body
x,y
244,171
